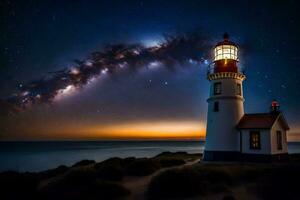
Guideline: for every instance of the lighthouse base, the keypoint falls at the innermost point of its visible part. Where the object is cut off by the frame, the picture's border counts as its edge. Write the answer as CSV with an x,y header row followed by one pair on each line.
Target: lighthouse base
x,y
237,156
282,157
222,156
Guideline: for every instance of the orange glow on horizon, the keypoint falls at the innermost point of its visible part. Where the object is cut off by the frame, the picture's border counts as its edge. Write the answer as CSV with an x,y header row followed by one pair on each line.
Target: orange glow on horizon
x,y
132,130
150,130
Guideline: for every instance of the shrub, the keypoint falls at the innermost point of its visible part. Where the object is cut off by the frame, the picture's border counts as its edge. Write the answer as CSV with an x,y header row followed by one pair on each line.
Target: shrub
x,y
53,172
16,185
143,167
110,169
253,174
176,183
295,157
169,162
178,155
110,190
116,162
110,172
94,190
74,179
79,175
127,161
214,174
189,181
81,183
280,183
84,163
228,197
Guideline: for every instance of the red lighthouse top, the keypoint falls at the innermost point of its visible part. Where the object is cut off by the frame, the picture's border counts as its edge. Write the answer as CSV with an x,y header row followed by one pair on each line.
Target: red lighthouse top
x,y
274,106
225,56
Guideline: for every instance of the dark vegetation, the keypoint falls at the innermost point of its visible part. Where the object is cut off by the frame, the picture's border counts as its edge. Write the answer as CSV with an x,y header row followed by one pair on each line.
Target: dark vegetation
x,y
188,181
265,181
168,159
90,180
84,163
86,179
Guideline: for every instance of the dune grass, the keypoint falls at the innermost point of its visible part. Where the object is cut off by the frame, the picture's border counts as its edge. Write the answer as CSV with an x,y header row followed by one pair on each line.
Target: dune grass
x,y
143,167
266,181
84,163
188,182
16,185
81,183
85,179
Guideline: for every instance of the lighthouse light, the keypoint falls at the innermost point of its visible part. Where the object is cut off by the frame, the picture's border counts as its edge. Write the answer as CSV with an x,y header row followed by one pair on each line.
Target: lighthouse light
x,y
225,52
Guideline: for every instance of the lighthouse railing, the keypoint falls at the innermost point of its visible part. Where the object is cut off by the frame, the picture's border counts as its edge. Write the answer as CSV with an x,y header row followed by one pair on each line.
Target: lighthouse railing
x,y
211,70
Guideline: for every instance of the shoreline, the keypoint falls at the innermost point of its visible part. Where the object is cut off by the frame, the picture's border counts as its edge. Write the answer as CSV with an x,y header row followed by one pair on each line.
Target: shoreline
x,y
39,156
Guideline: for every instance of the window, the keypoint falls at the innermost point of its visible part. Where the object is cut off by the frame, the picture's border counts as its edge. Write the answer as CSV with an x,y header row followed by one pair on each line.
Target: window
x,y
254,140
279,140
216,106
217,88
239,89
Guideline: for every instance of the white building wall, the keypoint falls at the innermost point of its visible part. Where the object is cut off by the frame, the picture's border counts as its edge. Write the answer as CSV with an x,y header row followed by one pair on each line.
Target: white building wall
x,y
264,139
277,127
229,87
221,133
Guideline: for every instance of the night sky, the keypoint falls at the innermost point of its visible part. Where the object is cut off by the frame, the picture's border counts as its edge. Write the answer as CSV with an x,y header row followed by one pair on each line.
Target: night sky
x,y
38,37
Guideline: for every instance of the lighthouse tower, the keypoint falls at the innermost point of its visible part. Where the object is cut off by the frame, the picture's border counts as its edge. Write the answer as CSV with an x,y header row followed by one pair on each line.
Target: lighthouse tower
x,y
225,104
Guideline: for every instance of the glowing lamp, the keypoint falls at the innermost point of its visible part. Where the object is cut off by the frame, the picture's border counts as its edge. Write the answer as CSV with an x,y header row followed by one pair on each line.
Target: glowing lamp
x,y
226,52
226,56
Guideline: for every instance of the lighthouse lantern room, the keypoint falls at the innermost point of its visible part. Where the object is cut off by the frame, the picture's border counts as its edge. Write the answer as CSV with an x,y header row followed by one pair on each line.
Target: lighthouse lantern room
x,y
226,56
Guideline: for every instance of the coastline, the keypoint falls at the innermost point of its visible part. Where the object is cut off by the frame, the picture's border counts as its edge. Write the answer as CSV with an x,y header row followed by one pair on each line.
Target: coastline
x,y
39,156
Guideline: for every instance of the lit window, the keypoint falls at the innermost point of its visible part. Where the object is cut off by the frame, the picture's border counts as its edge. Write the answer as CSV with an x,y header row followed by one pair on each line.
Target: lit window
x,y
254,140
238,89
216,106
217,88
279,140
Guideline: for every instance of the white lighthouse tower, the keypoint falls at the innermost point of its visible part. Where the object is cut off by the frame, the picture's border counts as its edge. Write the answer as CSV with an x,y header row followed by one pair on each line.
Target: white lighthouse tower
x,y
225,104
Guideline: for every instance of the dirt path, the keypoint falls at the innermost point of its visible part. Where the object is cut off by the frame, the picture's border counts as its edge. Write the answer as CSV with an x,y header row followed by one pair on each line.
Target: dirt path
x,y
138,185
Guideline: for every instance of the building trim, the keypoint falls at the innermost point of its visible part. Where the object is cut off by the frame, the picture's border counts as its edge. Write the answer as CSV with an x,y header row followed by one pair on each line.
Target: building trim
x,y
281,157
224,97
222,75
221,155
230,156
283,120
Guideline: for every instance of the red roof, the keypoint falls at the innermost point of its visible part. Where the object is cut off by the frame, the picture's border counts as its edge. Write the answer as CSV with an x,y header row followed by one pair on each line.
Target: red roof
x,y
261,121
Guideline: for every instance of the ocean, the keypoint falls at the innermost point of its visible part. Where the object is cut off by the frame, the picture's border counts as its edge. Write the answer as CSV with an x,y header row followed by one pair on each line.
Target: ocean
x,y
38,156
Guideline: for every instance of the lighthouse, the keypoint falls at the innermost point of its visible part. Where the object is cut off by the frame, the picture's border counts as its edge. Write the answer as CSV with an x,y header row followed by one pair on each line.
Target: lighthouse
x,y
232,135
225,103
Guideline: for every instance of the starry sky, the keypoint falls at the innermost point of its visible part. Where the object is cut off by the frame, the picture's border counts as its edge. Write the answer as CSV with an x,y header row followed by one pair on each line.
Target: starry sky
x,y
38,37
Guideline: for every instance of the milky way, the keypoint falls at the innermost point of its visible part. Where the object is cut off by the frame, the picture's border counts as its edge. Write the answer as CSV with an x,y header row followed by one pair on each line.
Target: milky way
x,y
176,50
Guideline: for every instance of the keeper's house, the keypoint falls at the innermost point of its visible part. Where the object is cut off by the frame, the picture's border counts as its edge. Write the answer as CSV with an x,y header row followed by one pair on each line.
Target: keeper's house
x,y
263,136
